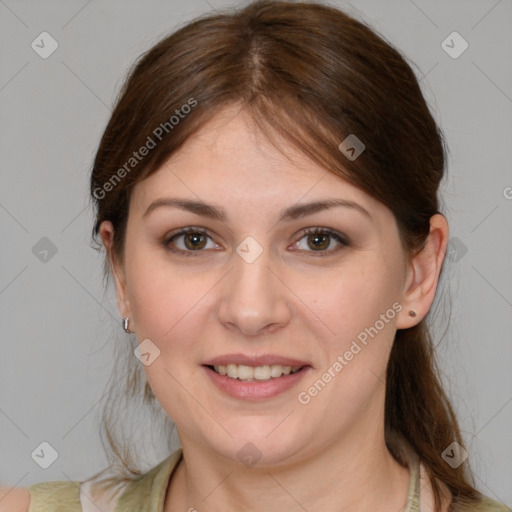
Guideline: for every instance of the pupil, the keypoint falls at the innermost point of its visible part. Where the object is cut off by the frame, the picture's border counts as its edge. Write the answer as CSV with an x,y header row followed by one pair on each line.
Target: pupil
x,y
193,241
317,238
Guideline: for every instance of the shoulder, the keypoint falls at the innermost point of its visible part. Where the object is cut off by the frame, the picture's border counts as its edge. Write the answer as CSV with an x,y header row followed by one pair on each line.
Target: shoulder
x,y
151,485
484,504
487,504
41,497
69,496
14,499
55,497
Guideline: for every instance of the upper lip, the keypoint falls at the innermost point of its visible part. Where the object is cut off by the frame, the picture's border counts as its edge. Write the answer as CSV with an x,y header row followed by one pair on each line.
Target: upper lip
x,y
261,360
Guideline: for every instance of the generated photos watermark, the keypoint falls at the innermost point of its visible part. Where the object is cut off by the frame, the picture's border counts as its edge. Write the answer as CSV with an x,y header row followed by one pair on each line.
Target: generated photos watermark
x,y
151,142
304,397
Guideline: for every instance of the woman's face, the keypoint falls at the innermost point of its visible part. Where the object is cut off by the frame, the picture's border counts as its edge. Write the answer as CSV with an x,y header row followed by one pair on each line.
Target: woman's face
x,y
248,285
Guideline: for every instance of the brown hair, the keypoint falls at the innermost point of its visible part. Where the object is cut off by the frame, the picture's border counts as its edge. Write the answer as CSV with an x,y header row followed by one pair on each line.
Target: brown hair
x,y
312,75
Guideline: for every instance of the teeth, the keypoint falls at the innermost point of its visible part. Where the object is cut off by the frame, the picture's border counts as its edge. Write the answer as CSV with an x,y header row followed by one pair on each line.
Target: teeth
x,y
276,370
232,371
263,372
266,372
245,372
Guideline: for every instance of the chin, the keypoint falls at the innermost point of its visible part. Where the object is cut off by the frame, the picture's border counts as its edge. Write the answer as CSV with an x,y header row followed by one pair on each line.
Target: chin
x,y
259,441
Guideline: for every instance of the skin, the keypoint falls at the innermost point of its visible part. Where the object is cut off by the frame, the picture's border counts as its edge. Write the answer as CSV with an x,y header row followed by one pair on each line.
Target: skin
x,y
328,454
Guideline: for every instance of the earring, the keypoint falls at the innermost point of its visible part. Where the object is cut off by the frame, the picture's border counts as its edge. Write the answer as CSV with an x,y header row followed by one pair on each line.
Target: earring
x,y
126,322
412,313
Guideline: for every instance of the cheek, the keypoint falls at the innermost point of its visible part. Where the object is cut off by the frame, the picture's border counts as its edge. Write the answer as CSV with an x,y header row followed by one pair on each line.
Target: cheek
x,y
161,296
361,307
354,299
166,306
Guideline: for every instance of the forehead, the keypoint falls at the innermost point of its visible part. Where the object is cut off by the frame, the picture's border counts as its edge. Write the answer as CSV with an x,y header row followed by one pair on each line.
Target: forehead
x,y
229,162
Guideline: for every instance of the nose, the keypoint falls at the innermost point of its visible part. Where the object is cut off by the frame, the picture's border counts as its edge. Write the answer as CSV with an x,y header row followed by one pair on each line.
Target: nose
x,y
254,301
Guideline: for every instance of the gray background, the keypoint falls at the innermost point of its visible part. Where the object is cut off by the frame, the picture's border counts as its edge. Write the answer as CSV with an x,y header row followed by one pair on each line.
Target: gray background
x,y
58,325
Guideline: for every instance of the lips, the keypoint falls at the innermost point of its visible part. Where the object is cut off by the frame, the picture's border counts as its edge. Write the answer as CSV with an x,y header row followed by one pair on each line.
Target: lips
x,y
254,381
261,360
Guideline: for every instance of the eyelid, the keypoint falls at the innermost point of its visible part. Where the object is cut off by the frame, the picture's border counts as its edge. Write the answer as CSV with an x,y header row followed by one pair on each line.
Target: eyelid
x,y
342,240
184,231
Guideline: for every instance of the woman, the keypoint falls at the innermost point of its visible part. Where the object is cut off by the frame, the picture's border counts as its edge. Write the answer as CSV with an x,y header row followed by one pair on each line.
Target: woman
x,y
266,193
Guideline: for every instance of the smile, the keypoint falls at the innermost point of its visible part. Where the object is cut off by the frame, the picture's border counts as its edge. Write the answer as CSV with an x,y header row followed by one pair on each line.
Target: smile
x,y
255,383
250,373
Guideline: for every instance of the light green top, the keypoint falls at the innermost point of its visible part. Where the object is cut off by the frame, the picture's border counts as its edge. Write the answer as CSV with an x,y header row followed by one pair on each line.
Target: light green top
x,y
147,492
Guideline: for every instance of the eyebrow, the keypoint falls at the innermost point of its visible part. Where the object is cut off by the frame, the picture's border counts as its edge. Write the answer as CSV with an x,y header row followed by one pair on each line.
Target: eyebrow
x,y
218,213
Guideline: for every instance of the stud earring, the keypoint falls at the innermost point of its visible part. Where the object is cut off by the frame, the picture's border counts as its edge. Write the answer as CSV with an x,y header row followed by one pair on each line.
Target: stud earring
x,y
126,322
412,313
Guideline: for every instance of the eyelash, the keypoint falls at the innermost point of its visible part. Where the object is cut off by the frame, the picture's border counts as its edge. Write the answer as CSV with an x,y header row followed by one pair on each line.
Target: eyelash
x,y
309,231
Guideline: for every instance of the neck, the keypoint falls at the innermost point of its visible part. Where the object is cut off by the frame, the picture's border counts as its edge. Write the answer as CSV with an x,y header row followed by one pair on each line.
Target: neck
x,y
357,474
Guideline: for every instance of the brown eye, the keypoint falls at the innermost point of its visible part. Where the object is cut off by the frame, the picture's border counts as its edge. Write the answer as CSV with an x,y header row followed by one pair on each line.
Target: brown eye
x,y
318,241
189,242
194,241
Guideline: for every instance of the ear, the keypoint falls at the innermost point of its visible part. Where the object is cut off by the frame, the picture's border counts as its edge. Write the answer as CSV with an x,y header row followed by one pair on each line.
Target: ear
x,y
423,272
116,266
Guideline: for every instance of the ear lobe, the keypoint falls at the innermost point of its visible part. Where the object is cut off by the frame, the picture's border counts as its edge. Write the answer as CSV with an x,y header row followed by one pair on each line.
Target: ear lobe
x,y
107,235
423,274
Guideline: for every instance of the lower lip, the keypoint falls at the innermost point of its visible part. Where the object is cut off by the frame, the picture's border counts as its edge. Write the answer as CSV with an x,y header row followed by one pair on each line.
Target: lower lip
x,y
255,389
